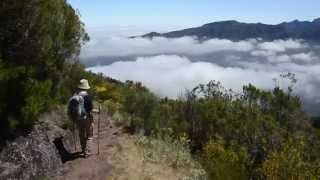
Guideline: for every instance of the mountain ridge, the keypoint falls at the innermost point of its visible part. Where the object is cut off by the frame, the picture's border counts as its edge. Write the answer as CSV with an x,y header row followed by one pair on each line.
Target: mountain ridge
x,y
235,30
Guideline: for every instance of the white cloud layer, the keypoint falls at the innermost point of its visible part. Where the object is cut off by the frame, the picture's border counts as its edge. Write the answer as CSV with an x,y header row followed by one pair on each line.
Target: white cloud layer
x,y
304,57
122,46
281,45
170,75
168,66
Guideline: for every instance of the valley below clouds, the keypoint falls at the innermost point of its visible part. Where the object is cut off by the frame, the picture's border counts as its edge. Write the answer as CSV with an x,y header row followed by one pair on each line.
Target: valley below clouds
x,y
169,66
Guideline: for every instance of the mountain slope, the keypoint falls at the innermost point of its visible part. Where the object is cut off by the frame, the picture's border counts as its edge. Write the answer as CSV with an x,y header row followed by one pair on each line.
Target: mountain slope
x,y
235,30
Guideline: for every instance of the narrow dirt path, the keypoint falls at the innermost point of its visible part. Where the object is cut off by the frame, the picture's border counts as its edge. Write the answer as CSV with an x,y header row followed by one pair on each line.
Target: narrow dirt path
x,y
95,166
119,159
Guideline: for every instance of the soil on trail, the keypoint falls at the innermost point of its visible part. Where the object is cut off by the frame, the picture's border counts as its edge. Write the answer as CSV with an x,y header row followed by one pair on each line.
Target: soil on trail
x,y
119,159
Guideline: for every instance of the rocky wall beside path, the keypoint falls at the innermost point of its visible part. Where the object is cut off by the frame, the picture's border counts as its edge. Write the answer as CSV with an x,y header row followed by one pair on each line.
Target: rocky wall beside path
x,y
42,152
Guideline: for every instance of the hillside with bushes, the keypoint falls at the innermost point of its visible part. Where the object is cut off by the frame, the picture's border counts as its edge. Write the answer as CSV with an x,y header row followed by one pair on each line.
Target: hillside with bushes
x,y
259,134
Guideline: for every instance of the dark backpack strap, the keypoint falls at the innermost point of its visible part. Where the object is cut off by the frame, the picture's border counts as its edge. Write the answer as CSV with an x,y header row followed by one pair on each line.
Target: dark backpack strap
x,y
88,104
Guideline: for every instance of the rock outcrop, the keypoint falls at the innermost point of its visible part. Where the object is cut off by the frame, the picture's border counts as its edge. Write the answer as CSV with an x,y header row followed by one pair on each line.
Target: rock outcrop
x,y
42,152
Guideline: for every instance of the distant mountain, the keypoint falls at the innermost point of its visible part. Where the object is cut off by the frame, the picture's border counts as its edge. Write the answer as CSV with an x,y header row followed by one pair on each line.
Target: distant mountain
x,y
234,30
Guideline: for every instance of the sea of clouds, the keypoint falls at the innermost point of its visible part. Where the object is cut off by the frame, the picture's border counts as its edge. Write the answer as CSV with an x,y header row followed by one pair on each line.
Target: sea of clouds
x,y
168,66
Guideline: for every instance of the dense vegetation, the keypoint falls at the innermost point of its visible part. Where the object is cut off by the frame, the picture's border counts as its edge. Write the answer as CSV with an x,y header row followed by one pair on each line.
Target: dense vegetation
x,y
39,45
258,134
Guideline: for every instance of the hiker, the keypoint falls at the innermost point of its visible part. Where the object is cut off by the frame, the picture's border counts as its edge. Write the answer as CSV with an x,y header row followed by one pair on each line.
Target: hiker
x,y
80,112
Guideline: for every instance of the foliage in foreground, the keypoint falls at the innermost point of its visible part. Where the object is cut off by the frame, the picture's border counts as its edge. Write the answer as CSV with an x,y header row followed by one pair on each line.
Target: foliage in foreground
x,y
173,152
39,44
260,134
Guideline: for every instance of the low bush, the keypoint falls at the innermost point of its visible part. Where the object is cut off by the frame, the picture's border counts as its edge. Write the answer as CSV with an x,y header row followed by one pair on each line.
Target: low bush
x,y
171,151
221,162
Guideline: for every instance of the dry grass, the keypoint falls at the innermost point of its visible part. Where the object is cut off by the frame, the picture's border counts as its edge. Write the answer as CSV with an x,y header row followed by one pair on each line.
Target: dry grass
x,y
170,153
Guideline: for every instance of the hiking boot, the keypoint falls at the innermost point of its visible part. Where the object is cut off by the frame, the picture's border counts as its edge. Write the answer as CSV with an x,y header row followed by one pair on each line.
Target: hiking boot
x,y
87,153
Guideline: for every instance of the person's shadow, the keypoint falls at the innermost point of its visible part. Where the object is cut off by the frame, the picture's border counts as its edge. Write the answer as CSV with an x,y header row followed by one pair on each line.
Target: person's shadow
x,y
64,154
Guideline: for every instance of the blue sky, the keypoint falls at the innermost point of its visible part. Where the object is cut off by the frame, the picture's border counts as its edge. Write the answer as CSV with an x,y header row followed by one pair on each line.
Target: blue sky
x,y
187,13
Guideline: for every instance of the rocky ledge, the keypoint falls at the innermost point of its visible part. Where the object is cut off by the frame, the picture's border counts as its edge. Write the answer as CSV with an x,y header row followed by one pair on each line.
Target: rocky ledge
x,y
42,152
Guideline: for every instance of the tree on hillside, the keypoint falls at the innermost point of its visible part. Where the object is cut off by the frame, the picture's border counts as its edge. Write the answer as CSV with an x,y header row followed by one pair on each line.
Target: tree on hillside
x,y
39,42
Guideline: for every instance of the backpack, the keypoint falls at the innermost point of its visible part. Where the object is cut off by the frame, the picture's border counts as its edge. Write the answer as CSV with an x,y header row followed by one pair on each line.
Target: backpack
x,y
76,109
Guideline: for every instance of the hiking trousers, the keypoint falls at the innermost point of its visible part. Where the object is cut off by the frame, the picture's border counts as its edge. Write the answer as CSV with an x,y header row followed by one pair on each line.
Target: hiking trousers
x,y
85,128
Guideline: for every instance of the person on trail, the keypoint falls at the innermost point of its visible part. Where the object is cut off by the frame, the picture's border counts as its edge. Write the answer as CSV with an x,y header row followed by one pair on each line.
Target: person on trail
x,y
80,111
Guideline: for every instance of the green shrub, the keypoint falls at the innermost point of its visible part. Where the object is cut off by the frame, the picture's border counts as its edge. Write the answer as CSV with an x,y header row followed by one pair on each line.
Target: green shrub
x,y
37,99
224,163
289,163
111,107
174,153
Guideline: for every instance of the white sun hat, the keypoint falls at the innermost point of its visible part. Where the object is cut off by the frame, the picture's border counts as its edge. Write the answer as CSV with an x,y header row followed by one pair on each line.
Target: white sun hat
x,y
84,84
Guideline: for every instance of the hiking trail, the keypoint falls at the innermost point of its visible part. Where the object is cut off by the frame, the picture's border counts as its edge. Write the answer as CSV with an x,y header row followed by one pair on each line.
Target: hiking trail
x,y
119,159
